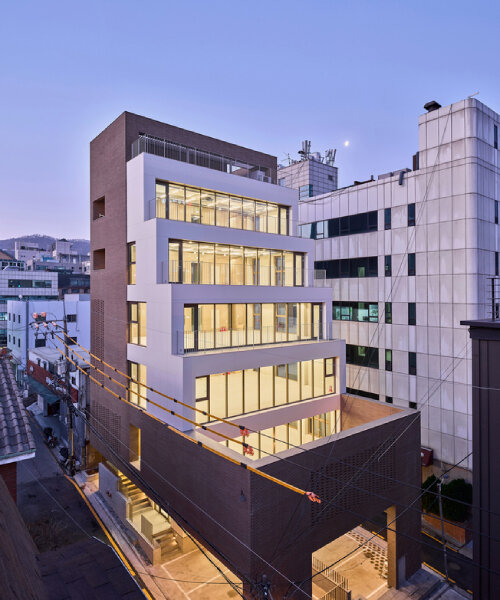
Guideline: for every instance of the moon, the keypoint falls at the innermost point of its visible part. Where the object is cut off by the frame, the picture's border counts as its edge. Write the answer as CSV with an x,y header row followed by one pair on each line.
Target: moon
x,y
346,143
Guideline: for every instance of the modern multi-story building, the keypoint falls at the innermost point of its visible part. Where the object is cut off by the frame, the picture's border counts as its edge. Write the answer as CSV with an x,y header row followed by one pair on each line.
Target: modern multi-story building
x,y
16,284
202,289
407,257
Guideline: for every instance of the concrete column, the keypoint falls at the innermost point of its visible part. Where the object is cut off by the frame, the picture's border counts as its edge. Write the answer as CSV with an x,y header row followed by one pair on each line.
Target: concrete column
x,y
403,552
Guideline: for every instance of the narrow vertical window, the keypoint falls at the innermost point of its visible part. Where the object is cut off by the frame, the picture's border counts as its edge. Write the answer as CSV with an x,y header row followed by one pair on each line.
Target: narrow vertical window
x,y
495,136
388,312
412,363
137,390
496,264
135,446
411,215
496,212
131,263
137,323
411,263
388,360
412,313
387,218
388,265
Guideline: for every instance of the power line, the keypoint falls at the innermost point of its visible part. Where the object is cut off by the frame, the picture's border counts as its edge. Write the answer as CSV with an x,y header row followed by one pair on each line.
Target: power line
x,y
373,536
161,500
274,438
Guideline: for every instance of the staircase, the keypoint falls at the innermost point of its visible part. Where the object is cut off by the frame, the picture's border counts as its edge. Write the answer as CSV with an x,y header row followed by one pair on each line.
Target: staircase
x,y
139,502
167,543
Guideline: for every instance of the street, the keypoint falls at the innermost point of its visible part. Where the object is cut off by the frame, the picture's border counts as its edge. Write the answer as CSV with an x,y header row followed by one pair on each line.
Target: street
x,y
51,507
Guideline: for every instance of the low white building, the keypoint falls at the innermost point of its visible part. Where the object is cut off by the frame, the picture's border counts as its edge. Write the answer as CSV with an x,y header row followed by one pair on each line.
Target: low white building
x,y
17,284
22,336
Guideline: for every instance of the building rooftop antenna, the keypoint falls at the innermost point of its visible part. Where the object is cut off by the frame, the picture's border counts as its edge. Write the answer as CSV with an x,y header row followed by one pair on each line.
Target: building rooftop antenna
x,y
330,156
305,153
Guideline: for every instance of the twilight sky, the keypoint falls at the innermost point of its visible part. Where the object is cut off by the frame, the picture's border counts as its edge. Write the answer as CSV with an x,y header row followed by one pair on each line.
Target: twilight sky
x,y
264,74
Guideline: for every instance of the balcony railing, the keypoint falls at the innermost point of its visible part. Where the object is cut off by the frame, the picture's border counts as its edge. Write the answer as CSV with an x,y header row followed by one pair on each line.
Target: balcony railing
x,y
195,156
222,218
208,273
206,341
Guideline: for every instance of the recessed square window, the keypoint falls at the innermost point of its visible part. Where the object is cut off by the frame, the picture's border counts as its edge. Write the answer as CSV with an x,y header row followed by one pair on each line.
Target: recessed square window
x,y
99,259
98,209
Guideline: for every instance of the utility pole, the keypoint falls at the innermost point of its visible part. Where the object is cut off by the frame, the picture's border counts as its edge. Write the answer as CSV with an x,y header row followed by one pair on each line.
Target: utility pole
x,y
68,400
445,554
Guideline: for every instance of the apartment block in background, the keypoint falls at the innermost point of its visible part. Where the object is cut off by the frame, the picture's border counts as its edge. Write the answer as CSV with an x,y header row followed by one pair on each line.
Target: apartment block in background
x,y
406,258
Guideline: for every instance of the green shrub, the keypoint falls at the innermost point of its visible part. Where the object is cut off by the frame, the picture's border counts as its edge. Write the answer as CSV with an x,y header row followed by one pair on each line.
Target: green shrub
x,y
457,489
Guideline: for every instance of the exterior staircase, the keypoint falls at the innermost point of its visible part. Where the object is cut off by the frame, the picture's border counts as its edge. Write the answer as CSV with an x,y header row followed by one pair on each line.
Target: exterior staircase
x,y
139,502
167,542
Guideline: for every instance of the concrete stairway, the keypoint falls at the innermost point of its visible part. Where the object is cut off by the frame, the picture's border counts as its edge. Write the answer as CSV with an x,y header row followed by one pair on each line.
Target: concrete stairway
x,y
139,502
167,543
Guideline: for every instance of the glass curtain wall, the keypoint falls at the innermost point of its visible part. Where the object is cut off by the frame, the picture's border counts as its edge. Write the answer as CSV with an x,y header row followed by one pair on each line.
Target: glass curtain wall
x,y
276,439
205,263
241,392
208,326
195,205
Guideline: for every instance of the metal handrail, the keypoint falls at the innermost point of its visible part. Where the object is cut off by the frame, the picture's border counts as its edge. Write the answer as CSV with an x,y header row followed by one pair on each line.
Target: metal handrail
x,y
201,158
199,341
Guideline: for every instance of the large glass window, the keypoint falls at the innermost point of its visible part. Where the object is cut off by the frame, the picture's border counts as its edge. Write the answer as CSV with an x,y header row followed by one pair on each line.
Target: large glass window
x,y
355,311
239,392
174,262
363,356
137,323
190,262
192,205
236,212
207,207
264,267
209,326
290,435
348,267
206,263
251,266
237,274
176,202
161,200
206,254
195,205
340,226
221,265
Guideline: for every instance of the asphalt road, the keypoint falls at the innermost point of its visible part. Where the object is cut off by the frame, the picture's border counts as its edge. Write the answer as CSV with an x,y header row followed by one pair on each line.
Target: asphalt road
x,y
51,507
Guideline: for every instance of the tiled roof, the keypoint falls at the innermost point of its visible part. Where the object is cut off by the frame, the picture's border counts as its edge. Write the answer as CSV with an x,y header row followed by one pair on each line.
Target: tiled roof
x,y
16,438
84,570
5,256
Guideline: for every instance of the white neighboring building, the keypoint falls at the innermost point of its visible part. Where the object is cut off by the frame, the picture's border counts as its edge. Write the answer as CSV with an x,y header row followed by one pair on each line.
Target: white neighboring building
x,y
17,284
407,258
21,337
